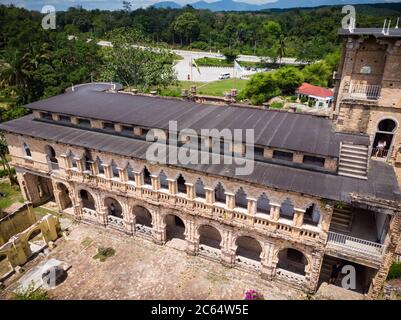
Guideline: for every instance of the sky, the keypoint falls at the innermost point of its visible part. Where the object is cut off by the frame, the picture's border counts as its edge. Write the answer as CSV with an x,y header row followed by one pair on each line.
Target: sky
x,y
35,4
108,4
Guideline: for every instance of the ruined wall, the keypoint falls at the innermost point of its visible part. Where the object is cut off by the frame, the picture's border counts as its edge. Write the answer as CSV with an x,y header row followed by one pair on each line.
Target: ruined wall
x,y
18,218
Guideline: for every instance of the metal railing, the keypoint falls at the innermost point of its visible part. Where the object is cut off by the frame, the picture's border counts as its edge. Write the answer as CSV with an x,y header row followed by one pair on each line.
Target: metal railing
x,y
380,153
364,91
355,244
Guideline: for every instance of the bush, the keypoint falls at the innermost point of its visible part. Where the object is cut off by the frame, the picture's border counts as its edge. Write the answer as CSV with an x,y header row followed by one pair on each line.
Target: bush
x,y
31,293
104,253
395,271
276,105
4,173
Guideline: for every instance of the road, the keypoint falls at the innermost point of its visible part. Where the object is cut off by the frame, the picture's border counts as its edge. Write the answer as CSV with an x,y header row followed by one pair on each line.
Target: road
x,y
185,70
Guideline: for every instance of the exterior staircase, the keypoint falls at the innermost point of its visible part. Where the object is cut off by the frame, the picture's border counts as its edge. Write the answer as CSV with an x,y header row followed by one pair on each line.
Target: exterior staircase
x,y
354,161
341,220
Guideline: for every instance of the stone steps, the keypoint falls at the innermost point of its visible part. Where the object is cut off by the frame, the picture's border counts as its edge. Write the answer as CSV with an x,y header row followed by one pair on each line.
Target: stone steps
x,y
354,161
341,220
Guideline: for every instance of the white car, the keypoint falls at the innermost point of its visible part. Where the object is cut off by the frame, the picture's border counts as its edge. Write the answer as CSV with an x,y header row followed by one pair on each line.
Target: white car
x,y
224,76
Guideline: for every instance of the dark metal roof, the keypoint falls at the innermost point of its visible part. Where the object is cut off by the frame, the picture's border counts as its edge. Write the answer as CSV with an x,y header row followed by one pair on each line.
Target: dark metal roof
x,y
273,128
376,32
381,182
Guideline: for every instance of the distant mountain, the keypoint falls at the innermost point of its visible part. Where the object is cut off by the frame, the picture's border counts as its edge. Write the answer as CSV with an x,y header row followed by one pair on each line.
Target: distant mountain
x,y
167,4
230,5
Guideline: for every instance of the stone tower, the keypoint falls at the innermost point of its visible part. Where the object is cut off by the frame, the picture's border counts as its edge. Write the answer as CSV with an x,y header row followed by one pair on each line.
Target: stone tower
x,y
368,91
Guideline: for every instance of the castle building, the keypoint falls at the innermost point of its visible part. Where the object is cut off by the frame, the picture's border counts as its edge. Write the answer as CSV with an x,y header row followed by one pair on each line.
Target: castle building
x,y
321,190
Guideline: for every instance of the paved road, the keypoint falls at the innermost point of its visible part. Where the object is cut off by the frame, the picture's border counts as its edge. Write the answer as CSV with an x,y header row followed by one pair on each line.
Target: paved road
x,y
185,71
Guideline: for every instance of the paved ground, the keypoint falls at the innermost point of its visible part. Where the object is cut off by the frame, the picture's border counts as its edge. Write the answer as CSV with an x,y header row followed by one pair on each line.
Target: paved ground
x,y
142,270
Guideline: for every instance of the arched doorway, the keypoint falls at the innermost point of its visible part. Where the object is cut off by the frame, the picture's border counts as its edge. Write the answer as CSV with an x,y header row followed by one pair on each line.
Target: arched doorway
x,y
36,241
383,140
209,236
143,220
64,196
87,200
209,241
248,249
113,208
292,260
175,227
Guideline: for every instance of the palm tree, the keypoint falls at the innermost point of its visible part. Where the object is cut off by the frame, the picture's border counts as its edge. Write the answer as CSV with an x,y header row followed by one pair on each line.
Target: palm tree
x,y
3,159
281,48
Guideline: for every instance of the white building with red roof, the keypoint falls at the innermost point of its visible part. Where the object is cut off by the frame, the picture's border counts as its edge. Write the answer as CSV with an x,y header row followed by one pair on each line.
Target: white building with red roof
x,y
321,97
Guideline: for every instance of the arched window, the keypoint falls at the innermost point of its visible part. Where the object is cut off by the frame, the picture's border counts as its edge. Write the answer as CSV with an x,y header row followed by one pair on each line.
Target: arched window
x,y
200,189
73,160
51,154
312,215
146,177
163,180
130,172
99,165
220,193
27,151
241,198
387,125
114,169
181,184
263,204
287,209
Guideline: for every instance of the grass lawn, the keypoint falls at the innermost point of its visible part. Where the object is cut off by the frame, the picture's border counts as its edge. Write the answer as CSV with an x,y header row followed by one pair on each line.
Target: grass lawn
x,y
13,194
216,88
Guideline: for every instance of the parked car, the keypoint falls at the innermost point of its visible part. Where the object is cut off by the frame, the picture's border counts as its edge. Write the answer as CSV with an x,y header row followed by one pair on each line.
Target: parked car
x,y
224,76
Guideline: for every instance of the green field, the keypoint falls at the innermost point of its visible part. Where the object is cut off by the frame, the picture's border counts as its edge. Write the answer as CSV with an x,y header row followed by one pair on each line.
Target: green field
x,y
216,88
12,194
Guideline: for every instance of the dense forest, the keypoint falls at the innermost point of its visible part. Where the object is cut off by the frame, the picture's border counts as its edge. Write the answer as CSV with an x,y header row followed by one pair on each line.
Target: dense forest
x,y
37,63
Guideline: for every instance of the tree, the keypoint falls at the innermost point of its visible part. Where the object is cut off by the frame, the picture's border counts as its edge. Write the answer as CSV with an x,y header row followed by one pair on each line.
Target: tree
x,y
132,61
281,48
261,87
187,27
127,6
4,161
289,79
318,73
230,54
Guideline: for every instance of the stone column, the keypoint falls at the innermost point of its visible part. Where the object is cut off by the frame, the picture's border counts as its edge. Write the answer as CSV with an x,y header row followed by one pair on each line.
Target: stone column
x,y
268,266
80,166
227,250
172,186
190,237
298,218
123,174
155,182
190,191
274,211
159,227
312,274
230,200
251,206
107,171
138,179
209,195
65,161
93,167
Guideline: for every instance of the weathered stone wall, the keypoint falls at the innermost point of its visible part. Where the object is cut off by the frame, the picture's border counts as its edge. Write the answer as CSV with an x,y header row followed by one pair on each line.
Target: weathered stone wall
x,y
18,218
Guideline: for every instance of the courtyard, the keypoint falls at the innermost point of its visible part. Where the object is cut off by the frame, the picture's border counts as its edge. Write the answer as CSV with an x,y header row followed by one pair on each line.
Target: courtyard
x,y
140,269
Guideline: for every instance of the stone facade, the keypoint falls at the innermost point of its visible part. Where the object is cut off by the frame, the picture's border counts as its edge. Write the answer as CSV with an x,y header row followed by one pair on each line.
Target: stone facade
x,y
271,232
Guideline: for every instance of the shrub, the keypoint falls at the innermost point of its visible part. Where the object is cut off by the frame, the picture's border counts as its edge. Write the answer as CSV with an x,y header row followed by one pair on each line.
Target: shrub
x,y
104,253
276,105
395,271
31,293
